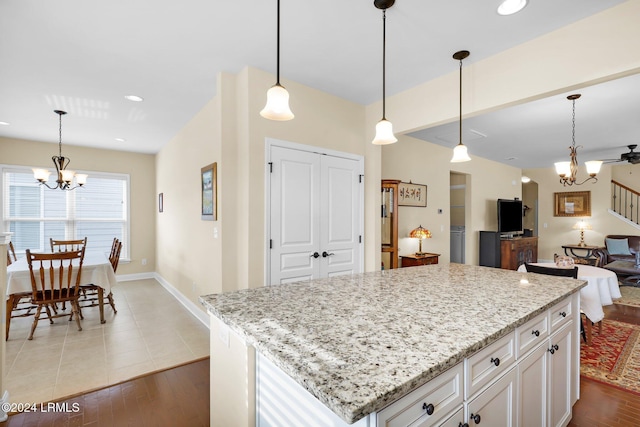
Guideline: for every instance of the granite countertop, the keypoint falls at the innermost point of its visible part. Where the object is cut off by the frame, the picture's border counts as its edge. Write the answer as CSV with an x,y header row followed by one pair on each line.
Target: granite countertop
x,y
358,343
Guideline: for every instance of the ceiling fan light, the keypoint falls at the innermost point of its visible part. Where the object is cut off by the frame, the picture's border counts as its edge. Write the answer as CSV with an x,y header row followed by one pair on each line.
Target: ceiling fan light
x,y
277,107
384,133
460,154
563,168
41,174
593,167
509,7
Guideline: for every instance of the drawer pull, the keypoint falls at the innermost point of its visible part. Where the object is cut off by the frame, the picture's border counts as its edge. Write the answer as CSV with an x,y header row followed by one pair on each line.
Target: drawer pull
x,y
463,425
475,418
495,361
536,333
429,408
553,348
563,314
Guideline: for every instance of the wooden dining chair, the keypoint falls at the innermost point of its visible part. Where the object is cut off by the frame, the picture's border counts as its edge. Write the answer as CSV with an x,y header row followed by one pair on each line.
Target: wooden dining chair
x,y
92,294
565,272
58,245
11,254
55,277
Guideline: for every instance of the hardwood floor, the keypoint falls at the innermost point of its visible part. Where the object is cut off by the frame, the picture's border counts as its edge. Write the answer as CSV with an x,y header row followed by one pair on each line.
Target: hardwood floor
x,y
603,405
175,397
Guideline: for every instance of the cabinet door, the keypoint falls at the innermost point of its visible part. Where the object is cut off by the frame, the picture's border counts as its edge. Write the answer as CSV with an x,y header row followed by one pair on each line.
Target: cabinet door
x,y
559,376
532,385
496,406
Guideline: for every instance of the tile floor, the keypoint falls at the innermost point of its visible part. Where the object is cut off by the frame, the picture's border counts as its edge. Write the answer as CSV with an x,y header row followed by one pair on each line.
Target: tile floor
x,y
151,331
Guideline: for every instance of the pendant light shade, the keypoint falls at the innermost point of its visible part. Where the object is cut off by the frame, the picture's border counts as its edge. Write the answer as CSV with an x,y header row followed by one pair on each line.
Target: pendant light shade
x,y
384,128
277,107
460,151
384,133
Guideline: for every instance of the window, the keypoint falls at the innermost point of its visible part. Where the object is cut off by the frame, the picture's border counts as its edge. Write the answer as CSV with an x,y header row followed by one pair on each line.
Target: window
x,y
34,213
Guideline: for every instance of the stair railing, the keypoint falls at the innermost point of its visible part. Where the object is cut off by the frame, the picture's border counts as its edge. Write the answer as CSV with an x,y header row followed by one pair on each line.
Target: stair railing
x,y
625,201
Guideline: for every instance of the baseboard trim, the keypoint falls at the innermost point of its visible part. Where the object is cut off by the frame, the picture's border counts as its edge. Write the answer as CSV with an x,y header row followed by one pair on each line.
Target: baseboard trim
x,y
136,276
193,308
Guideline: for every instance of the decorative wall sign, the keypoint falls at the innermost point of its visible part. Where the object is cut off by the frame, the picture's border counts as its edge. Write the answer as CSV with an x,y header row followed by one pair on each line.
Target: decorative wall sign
x,y
573,203
209,186
410,194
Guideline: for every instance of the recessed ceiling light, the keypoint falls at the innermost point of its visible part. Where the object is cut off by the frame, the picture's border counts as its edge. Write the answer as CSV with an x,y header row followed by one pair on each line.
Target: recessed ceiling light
x,y
120,139
509,7
134,98
4,123
525,179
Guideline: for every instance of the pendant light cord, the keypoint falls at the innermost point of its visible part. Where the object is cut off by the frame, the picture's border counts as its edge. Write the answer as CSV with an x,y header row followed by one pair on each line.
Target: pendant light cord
x,y
278,48
573,130
460,124
60,135
384,57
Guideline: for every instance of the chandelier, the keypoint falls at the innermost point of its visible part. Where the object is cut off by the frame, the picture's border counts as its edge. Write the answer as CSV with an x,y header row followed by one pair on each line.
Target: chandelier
x,y
569,170
65,177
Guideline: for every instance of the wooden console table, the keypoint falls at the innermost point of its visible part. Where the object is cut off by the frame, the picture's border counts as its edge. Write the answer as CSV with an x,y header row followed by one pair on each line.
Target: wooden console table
x,y
413,260
569,250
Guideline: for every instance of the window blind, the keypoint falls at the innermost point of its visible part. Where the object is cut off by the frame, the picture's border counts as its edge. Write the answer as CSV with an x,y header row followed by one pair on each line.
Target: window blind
x,y
34,213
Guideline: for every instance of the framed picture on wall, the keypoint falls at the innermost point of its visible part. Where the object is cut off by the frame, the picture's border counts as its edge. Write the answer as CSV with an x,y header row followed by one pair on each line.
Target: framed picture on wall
x,y
209,184
410,194
573,203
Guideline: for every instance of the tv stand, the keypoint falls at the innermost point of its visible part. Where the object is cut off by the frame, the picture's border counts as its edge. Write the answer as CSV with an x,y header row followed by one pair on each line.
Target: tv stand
x,y
508,253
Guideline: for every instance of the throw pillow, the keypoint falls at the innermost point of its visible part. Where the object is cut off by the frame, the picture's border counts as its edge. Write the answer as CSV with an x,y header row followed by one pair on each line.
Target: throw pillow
x,y
618,246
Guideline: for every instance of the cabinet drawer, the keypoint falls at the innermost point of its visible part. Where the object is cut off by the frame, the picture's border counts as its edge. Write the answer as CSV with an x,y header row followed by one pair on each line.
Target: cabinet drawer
x,y
443,392
561,313
531,333
489,363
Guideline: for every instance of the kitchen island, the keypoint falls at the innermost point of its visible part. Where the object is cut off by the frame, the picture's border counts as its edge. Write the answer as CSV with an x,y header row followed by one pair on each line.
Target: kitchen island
x,y
359,343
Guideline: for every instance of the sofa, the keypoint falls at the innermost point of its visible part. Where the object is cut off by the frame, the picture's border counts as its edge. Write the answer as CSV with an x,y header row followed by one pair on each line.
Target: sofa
x,y
617,247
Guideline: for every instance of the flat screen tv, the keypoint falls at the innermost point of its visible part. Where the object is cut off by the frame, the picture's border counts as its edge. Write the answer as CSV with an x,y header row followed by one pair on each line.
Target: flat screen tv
x,y
509,216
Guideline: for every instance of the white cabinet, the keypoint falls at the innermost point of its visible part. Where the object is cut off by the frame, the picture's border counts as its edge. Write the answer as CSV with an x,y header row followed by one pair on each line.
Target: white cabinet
x,y
497,405
545,374
428,404
488,363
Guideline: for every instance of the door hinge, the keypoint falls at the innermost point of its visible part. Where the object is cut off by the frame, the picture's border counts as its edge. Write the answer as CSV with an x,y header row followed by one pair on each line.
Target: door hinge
x,y
360,178
270,167
270,244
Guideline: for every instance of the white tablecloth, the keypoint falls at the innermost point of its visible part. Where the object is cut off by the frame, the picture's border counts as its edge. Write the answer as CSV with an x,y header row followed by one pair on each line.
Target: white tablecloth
x,y
601,289
96,269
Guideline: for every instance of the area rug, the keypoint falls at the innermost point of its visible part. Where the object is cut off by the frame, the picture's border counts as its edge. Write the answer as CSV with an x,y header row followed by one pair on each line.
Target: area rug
x,y
630,296
613,358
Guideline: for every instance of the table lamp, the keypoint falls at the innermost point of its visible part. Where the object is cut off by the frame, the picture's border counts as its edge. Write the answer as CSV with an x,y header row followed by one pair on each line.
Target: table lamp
x,y
582,225
420,233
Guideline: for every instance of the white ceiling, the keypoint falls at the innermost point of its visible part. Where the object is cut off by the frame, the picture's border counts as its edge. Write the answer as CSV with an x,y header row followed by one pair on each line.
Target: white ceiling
x,y
83,56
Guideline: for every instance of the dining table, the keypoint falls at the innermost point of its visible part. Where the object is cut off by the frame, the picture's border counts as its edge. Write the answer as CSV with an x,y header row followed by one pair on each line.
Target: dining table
x,y
602,288
96,269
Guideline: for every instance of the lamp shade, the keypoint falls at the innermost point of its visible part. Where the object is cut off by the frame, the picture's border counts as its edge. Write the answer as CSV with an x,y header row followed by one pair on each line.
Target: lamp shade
x,y
460,154
277,107
563,168
41,174
420,233
384,133
593,167
582,225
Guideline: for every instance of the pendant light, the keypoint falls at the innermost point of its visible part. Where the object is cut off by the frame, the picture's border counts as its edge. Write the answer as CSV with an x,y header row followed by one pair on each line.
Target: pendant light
x,y
568,170
64,176
384,128
460,151
277,107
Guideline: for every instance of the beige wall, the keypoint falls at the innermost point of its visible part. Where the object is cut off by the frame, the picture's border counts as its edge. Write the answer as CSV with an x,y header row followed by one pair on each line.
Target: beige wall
x,y
230,131
557,231
143,197
426,163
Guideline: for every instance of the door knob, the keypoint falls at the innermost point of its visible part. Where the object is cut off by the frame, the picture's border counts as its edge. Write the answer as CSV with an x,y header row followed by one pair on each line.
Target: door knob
x,y
314,255
325,254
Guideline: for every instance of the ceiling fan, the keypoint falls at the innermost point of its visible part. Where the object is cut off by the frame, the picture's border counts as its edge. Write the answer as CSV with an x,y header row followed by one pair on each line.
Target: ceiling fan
x,y
632,157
